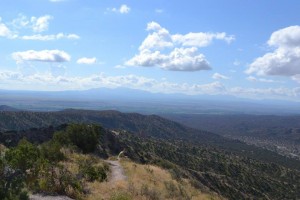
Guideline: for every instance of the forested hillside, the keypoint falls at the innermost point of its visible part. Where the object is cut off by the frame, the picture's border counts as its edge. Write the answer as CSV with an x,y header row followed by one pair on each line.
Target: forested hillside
x,y
208,167
141,125
280,134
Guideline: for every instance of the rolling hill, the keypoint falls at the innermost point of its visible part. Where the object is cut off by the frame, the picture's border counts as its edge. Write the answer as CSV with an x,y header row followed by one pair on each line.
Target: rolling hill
x,y
209,168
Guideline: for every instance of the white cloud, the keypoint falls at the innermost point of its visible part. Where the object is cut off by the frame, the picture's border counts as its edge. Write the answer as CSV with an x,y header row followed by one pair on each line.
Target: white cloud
x,y
286,37
50,37
124,9
47,81
180,59
219,76
200,39
254,79
36,24
5,31
21,21
40,24
42,56
50,81
159,39
87,61
285,59
174,52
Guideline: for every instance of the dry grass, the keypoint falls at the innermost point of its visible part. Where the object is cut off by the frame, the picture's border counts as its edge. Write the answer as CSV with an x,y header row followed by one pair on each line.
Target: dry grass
x,y
146,182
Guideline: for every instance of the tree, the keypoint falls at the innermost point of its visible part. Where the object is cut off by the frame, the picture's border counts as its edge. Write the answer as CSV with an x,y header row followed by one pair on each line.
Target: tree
x,y
23,157
85,137
11,183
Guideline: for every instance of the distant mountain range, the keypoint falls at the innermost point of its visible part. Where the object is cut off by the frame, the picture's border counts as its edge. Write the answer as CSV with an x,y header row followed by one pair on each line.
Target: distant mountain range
x,y
8,108
132,100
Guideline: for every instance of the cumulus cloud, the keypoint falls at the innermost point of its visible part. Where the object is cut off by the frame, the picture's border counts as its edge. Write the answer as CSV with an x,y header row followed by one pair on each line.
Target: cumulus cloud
x,y
40,24
159,39
286,37
124,9
200,39
50,37
5,31
285,59
219,76
87,61
42,56
180,59
174,52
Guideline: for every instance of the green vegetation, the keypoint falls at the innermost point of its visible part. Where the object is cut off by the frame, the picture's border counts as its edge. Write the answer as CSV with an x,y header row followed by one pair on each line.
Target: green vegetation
x,y
12,183
91,172
84,137
148,126
211,163
232,176
44,168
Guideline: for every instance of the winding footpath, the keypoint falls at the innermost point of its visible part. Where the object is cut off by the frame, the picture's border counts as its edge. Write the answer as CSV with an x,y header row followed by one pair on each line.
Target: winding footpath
x,y
117,171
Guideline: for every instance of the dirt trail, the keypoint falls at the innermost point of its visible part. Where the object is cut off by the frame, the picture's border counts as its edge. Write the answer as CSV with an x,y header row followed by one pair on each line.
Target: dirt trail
x,y
117,171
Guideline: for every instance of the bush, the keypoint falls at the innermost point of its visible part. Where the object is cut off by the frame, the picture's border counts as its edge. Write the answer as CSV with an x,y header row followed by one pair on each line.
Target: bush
x,y
58,180
51,151
11,183
85,137
23,157
92,173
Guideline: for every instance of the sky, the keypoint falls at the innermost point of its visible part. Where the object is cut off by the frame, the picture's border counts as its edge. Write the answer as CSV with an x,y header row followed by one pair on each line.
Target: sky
x,y
248,48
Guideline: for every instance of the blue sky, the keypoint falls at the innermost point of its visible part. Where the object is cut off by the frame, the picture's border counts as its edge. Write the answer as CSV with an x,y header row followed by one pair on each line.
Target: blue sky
x,y
242,48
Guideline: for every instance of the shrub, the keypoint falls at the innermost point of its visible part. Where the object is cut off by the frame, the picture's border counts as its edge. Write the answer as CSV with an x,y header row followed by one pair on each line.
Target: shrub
x,y
58,180
51,151
23,157
11,183
92,173
85,137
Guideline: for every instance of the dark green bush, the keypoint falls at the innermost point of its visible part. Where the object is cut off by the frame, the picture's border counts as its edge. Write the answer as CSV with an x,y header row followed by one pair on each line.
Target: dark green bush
x,y
51,151
23,157
12,183
85,137
91,172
